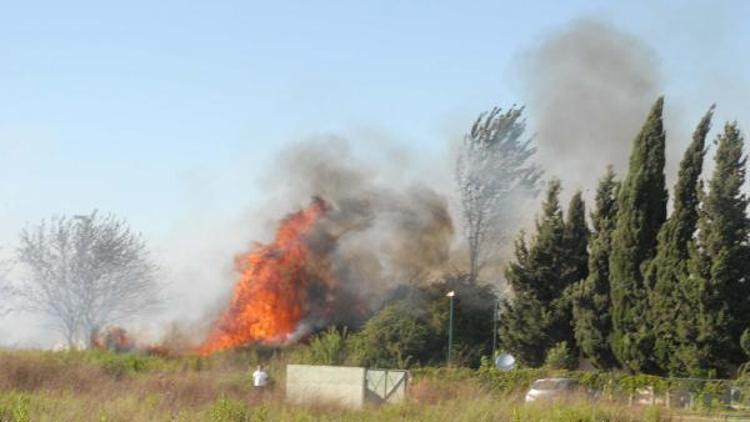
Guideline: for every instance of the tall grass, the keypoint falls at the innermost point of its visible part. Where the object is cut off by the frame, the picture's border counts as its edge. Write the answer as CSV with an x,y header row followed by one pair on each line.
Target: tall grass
x,y
93,386
49,406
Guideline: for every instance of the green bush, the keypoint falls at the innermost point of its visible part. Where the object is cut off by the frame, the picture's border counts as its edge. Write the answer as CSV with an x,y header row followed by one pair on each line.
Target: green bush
x,y
330,347
122,365
560,357
510,381
413,330
395,337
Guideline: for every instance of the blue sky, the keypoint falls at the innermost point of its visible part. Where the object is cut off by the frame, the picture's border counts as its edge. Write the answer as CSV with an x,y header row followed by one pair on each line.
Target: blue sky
x,y
152,109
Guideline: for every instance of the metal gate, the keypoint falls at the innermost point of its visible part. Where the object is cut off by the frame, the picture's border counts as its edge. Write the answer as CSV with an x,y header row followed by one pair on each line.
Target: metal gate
x,y
385,385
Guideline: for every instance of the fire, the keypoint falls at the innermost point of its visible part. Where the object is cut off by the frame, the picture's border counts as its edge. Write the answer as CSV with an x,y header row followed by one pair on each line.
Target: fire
x,y
113,339
281,285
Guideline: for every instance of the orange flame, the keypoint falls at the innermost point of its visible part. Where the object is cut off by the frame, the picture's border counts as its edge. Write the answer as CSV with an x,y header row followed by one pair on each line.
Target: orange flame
x,y
277,287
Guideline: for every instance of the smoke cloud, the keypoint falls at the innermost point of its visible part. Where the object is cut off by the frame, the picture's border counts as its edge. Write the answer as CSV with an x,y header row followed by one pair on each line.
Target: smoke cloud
x,y
340,257
388,231
590,88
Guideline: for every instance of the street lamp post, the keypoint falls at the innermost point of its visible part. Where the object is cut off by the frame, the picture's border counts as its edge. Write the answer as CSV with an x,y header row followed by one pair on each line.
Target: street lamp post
x,y
450,327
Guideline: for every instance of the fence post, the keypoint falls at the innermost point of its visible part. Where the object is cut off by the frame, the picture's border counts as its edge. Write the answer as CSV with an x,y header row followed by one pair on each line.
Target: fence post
x,y
385,386
653,395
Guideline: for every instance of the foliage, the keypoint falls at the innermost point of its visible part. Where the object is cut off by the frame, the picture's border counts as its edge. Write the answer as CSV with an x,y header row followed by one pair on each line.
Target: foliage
x,y
395,337
413,330
539,315
574,269
474,306
538,267
122,365
591,303
560,357
641,210
15,407
669,267
576,241
745,342
493,172
607,384
86,272
654,295
228,410
523,327
714,314
330,347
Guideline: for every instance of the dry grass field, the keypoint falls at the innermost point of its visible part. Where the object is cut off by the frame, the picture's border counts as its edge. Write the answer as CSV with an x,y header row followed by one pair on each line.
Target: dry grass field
x,y
98,386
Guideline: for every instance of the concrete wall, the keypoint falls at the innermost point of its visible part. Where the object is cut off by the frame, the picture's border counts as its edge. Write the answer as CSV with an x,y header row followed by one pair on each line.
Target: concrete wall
x,y
320,384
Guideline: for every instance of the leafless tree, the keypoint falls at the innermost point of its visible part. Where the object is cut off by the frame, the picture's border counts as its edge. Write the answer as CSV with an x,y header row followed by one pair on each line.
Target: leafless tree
x,y
494,173
86,272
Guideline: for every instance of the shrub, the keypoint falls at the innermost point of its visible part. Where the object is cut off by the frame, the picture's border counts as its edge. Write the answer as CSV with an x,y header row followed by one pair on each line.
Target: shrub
x,y
330,347
122,365
560,357
395,337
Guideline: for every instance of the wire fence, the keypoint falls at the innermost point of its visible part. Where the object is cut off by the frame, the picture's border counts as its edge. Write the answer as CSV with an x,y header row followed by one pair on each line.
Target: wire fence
x,y
694,393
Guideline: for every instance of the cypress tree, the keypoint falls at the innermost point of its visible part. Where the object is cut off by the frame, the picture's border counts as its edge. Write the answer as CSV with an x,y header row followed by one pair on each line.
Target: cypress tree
x,y
538,267
539,316
714,312
523,330
670,264
641,210
529,322
591,304
576,240
574,268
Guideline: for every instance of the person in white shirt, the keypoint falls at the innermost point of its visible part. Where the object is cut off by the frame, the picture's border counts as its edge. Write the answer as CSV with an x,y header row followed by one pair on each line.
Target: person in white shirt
x,y
260,378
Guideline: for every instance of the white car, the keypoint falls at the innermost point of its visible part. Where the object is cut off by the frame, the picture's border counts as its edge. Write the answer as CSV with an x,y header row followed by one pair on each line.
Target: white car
x,y
547,388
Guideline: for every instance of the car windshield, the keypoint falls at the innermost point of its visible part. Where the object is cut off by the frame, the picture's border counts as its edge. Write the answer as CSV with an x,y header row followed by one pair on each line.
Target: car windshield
x,y
552,384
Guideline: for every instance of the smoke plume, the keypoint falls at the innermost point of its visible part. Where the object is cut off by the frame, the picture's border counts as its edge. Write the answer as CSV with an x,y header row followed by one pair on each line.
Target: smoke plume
x,y
335,259
590,88
388,230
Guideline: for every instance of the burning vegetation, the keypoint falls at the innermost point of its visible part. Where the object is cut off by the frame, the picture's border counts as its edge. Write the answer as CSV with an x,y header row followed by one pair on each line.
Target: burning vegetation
x,y
284,287
113,339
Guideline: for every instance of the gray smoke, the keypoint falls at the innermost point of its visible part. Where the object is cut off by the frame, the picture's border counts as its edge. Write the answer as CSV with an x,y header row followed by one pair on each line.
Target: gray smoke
x,y
388,231
590,88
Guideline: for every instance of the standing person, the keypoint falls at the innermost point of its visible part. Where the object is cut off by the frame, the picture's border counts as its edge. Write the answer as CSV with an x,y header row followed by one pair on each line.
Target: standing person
x,y
260,378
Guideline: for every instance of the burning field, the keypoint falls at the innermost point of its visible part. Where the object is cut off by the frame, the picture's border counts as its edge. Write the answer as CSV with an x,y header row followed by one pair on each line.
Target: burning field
x,y
335,261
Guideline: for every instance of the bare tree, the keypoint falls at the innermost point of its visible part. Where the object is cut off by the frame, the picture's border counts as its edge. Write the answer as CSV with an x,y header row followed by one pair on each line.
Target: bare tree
x,y
86,272
494,175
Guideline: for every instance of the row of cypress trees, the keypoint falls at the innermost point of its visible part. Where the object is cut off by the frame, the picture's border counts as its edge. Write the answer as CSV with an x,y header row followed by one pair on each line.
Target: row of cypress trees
x,y
640,290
